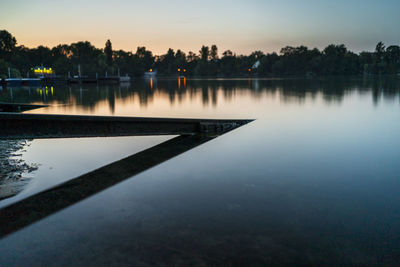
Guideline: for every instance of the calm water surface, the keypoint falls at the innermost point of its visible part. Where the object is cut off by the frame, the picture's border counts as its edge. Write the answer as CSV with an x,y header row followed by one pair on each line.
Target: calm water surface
x,y
315,180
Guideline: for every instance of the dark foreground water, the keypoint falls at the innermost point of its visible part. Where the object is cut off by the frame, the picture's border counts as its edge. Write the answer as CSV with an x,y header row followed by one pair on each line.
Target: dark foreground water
x,y
315,180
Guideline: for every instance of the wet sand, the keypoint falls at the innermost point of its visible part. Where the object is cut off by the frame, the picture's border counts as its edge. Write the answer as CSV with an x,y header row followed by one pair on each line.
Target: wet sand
x,y
14,171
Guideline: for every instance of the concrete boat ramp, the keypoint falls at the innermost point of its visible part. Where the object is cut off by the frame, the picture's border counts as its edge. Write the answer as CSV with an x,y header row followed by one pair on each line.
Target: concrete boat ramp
x,y
16,125
190,133
18,107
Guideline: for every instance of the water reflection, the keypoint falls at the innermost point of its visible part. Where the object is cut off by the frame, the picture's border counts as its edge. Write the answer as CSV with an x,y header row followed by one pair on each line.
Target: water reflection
x,y
312,182
91,98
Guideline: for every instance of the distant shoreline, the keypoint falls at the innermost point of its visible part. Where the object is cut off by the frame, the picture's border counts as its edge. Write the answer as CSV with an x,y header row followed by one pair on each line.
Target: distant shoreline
x,y
83,59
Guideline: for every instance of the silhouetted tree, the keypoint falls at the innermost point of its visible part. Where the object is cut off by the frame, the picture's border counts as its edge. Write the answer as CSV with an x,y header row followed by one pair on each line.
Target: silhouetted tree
x,y
214,53
392,58
108,53
180,59
7,44
144,60
204,53
202,66
191,62
379,62
228,63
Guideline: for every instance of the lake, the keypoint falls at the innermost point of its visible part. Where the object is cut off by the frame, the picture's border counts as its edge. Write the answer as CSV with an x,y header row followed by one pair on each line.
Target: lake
x,y
313,181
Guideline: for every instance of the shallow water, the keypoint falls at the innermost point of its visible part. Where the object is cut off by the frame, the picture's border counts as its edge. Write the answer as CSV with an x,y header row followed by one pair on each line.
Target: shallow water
x,y
313,181
58,160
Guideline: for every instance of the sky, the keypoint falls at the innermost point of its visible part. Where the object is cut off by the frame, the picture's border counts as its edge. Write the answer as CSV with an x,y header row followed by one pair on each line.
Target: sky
x,y
242,26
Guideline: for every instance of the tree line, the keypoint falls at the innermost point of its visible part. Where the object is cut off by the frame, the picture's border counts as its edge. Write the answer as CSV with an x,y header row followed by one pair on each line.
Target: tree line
x,y
299,61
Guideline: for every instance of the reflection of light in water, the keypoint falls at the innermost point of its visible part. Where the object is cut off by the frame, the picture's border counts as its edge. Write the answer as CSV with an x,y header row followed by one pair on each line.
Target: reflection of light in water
x,y
158,100
180,82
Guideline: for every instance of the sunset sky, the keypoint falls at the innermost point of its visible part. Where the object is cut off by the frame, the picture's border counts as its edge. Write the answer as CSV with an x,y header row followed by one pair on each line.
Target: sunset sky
x,y
242,26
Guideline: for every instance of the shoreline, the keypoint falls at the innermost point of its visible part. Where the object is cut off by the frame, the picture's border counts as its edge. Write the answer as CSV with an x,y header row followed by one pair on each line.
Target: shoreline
x,y
13,168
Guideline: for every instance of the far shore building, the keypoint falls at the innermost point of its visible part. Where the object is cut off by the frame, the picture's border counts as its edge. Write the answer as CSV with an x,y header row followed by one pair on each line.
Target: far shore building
x,y
43,72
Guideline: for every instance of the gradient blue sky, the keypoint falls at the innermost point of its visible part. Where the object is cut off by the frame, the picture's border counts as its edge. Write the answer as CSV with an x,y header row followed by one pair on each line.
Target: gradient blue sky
x,y
240,25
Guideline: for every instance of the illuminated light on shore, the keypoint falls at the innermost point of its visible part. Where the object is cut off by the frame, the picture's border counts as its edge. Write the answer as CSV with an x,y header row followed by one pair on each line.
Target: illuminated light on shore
x,y
47,71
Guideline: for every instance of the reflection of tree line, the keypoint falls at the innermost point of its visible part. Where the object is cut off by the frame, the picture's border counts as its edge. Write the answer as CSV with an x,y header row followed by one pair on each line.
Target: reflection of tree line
x,y
88,96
